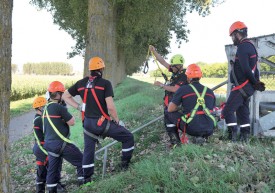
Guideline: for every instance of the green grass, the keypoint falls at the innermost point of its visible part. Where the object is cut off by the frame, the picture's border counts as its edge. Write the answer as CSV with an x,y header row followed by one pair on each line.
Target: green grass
x,y
218,166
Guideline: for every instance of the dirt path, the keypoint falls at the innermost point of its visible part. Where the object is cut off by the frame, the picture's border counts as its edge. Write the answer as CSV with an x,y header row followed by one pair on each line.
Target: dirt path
x,y
20,126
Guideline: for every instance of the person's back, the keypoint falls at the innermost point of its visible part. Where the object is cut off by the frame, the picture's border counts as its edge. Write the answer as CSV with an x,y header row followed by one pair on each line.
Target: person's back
x,y
102,88
197,102
59,115
201,123
56,122
99,116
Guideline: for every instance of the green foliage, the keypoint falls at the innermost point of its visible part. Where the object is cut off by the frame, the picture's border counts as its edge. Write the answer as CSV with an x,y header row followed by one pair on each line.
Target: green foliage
x,y
14,68
158,73
139,23
48,68
215,70
266,67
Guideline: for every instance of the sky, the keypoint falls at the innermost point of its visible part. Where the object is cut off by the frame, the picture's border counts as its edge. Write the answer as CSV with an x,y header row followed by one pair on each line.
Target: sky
x,y
37,39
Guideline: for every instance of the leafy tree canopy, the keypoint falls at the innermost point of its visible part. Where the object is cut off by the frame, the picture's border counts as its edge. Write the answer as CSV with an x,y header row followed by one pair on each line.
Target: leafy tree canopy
x,y
139,23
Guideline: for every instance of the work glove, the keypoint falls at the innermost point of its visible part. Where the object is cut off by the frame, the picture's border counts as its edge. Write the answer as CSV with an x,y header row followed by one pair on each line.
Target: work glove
x,y
260,86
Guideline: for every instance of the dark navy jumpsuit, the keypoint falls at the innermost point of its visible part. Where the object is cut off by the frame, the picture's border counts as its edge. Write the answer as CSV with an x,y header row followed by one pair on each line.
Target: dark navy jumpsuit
x,y
58,148
177,80
247,74
103,89
201,125
41,157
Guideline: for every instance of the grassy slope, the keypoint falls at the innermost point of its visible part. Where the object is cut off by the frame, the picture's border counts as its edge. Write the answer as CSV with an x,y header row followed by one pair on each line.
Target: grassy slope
x,y
216,167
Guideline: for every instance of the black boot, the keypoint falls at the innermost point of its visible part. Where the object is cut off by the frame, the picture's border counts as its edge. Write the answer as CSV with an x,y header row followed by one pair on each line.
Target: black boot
x,y
244,137
245,133
124,165
52,189
232,133
61,187
174,138
198,140
40,188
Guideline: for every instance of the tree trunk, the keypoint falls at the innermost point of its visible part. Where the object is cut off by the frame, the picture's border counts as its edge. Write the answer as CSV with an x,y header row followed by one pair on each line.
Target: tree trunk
x,y
5,89
101,40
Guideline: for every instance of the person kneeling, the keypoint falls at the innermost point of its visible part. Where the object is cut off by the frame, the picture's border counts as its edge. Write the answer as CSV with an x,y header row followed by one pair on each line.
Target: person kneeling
x,y
197,102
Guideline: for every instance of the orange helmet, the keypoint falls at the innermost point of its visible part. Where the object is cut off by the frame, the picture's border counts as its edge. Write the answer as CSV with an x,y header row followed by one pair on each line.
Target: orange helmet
x,y
96,63
39,102
238,25
56,86
193,71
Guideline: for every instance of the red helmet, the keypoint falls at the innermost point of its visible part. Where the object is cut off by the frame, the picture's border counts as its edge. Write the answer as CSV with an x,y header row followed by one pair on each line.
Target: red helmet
x,y
39,102
193,71
56,86
96,63
238,25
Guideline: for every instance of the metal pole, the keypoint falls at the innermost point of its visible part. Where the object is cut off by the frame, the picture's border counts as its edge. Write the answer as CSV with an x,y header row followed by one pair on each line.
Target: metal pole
x,y
104,162
219,85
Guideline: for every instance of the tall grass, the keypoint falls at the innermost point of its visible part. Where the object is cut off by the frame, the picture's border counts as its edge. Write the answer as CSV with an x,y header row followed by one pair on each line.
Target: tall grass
x,y
27,86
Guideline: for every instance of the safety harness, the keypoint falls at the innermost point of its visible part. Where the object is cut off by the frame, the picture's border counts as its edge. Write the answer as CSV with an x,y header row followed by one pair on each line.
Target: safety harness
x,y
65,139
174,80
240,86
187,118
91,85
37,139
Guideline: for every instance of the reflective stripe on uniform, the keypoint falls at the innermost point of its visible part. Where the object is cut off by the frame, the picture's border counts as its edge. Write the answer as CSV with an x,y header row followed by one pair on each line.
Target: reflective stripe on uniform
x,y
245,125
88,166
128,149
231,124
51,185
170,125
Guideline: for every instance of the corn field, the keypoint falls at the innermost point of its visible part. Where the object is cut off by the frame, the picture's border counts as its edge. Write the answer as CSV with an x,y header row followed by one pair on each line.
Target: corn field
x,y
27,86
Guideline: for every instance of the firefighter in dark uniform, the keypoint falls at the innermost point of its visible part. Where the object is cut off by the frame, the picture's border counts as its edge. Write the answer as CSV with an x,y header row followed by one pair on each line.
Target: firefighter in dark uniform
x,y
100,117
197,102
177,79
245,79
38,150
56,122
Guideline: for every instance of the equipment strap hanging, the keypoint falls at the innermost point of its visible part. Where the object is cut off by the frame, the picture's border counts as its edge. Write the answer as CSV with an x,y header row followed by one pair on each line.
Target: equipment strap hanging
x,y
53,126
156,61
96,100
38,141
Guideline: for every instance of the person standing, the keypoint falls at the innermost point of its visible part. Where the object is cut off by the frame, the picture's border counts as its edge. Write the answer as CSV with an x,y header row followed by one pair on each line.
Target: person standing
x,y
177,79
56,123
38,150
99,116
244,77
197,102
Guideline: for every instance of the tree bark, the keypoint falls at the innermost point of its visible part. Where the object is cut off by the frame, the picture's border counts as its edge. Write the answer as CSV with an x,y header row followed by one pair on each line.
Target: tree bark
x,y
5,89
101,40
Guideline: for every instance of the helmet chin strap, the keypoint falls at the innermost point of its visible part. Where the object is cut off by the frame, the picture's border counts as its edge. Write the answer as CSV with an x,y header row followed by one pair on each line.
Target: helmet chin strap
x,y
178,70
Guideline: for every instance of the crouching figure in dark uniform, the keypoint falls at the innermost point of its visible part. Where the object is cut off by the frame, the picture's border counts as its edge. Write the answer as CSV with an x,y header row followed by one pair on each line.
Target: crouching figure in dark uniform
x,y
197,102
99,116
56,122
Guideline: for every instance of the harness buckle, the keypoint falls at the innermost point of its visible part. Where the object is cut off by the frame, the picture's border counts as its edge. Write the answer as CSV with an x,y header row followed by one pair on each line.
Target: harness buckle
x,y
200,101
